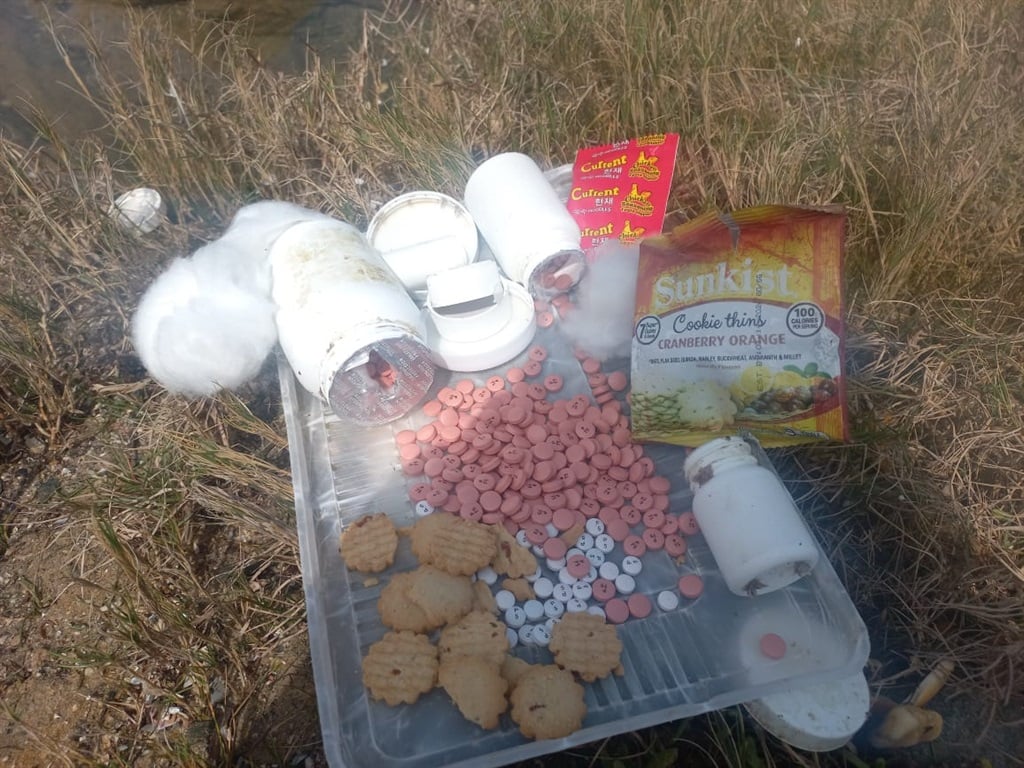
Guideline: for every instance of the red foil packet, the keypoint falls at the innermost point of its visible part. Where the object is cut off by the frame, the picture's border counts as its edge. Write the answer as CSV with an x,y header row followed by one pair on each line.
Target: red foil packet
x,y
621,190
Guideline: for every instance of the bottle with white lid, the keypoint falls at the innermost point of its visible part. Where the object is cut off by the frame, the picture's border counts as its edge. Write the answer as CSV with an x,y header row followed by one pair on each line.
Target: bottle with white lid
x,y
346,324
534,238
751,523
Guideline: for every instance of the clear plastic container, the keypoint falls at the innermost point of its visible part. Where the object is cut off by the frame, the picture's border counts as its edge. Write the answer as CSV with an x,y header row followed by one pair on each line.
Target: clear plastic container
x,y
697,658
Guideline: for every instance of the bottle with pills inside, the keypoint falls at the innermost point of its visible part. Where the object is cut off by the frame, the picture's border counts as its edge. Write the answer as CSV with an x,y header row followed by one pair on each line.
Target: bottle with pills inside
x,y
751,523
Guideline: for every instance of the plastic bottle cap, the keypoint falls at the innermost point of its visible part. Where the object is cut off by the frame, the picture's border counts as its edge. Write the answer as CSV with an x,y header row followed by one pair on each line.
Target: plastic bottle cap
x,y
475,318
421,233
818,717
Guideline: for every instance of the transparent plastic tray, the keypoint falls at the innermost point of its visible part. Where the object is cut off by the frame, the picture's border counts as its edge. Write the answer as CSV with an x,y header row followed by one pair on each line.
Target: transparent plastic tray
x,y
698,658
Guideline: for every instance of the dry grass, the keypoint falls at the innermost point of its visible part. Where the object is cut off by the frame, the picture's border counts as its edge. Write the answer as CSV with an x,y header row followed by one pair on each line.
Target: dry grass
x,y
907,112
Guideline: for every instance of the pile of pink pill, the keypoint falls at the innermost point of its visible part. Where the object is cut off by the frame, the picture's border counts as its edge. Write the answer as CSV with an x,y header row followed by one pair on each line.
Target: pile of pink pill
x,y
512,452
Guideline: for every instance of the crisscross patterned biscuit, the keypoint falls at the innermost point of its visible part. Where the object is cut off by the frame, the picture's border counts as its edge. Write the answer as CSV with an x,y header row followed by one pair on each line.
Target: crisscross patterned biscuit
x,y
583,643
476,634
454,544
511,558
547,703
368,543
443,597
399,667
477,688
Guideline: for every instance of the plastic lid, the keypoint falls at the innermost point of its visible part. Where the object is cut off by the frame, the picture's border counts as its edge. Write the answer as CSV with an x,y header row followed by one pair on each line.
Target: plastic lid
x,y
476,319
422,233
817,718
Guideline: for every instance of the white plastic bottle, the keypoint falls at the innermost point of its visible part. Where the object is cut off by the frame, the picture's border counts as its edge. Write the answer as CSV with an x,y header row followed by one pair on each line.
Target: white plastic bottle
x,y
533,236
749,520
346,324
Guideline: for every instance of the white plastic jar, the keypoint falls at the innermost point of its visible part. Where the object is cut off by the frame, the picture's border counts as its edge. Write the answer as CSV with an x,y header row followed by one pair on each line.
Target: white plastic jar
x,y
346,324
749,520
533,236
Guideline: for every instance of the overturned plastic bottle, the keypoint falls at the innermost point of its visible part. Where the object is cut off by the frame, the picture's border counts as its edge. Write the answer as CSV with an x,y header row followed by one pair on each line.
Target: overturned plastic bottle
x,y
750,521
346,324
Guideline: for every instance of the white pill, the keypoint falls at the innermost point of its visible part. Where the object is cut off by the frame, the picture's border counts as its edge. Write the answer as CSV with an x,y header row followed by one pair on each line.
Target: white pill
x,y
504,599
541,636
534,610
555,565
549,625
423,508
562,593
667,600
521,538
566,578
585,542
513,637
597,610
543,587
553,609
575,605
591,576
632,565
552,531
526,634
572,552
594,526
596,557
487,575
604,542
581,590
537,551
609,571
535,575
515,617
625,583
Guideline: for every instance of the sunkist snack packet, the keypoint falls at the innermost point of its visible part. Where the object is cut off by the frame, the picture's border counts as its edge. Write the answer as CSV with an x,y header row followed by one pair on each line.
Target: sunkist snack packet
x,y
739,327
621,190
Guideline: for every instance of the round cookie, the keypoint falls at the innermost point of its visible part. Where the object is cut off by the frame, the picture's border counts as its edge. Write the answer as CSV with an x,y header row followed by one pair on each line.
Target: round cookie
x,y
477,688
399,667
583,643
547,703
368,543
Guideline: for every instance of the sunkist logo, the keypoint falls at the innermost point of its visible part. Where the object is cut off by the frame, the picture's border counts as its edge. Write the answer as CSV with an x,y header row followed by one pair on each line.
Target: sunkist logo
x,y
672,290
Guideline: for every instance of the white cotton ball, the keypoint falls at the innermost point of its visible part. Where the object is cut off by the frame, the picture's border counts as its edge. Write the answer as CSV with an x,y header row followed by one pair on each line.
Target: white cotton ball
x,y
199,328
207,323
602,321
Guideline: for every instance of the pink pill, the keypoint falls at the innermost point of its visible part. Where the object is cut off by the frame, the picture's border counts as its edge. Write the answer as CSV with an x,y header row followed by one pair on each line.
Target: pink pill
x,y
515,375
538,353
491,518
536,534
618,529
591,365
675,545
553,383
555,548
426,433
634,545
671,525
654,518
532,368
412,467
405,437
541,514
409,451
433,467
691,585
436,497
448,418
772,646
490,501
471,511
578,566
660,484
631,515
616,610
603,589
639,605
432,408
688,524
617,380
563,519
495,384
418,492
653,538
